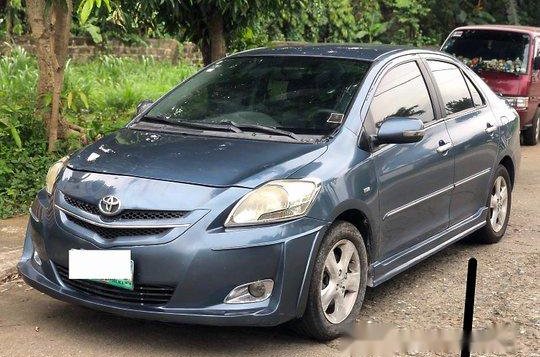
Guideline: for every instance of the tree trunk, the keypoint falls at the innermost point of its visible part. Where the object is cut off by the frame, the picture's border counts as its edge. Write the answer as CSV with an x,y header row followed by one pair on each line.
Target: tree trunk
x,y
61,19
511,12
217,36
50,30
204,46
9,21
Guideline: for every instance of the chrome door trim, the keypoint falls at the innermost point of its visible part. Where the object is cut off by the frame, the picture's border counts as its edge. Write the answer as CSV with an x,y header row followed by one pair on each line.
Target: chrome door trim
x,y
436,193
114,225
417,201
472,177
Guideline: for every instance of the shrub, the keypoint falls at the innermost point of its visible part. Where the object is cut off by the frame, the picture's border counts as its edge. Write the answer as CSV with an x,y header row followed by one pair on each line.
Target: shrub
x,y
100,96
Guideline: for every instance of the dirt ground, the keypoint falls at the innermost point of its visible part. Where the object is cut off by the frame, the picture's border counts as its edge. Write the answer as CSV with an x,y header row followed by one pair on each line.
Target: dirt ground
x,y
427,296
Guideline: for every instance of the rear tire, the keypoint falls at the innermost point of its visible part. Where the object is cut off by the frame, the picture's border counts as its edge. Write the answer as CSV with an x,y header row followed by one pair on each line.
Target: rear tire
x,y
499,205
531,135
337,286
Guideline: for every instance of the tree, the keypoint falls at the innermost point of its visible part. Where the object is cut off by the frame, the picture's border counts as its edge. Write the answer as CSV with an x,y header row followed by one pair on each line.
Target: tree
x,y
50,28
208,22
50,25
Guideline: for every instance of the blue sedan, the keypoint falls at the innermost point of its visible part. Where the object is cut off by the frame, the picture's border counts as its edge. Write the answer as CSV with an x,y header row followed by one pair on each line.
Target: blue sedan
x,y
275,185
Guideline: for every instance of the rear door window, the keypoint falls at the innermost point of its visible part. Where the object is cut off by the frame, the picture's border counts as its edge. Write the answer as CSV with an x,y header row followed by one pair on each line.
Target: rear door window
x,y
454,90
475,94
402,93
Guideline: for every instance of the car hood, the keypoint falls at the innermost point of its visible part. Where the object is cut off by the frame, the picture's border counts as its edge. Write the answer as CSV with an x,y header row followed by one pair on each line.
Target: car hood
x,y
210,161
507,84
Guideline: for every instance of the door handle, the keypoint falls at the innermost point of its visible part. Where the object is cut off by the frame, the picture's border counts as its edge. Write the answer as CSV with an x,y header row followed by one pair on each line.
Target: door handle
x,y
490,128
443,148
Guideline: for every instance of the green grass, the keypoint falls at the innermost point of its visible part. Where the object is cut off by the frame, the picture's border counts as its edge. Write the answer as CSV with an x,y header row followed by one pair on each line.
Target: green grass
x,y
100,95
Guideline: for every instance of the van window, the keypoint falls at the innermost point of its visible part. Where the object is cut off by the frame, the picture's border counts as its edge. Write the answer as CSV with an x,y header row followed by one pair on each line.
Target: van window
x,y
488,50
454,91
402,92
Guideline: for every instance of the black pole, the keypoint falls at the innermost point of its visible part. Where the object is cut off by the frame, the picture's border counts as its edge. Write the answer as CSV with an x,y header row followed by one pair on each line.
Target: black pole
x,y
469,308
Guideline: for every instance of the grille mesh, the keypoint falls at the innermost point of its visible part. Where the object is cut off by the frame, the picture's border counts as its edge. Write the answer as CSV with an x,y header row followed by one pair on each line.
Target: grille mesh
x,y
85,206
112,233
125,214
141,294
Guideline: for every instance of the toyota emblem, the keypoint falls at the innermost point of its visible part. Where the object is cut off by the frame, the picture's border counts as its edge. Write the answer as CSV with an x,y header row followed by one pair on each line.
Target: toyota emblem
x,y
109,205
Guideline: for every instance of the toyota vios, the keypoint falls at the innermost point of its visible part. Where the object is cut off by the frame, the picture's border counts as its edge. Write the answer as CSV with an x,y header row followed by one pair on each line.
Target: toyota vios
x,y
275,185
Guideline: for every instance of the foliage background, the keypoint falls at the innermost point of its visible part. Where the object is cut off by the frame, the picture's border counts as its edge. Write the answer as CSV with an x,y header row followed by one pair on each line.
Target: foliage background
x,y
101,95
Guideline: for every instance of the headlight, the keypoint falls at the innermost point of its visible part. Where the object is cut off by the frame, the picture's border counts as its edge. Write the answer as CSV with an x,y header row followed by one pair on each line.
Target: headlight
x,y
517,102
52,174
274,201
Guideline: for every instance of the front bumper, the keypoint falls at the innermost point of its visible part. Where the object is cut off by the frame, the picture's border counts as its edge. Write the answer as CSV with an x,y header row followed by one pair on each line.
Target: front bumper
x,y
203,267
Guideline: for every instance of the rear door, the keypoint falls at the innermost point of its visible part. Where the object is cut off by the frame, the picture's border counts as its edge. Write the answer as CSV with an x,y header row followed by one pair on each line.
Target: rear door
x,y
415,180
473,130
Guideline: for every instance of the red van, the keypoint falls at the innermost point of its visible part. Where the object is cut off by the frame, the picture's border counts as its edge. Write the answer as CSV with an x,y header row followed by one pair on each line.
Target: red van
x,y
508,60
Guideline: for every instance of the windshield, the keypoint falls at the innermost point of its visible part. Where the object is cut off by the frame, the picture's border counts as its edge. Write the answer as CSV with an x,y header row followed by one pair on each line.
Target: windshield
x,y
303,95
484,50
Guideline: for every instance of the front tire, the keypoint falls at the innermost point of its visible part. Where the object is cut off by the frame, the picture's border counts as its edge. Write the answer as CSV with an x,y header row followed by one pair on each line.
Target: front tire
x,y
499,205
338,284
531,136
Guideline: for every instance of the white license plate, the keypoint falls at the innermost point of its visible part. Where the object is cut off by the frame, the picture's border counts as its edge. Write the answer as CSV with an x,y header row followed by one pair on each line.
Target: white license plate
x,y
100,264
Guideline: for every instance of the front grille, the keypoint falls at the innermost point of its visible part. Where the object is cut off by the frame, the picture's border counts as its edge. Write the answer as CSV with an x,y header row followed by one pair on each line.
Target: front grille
x,y
128,214
85,206
112,233
141,294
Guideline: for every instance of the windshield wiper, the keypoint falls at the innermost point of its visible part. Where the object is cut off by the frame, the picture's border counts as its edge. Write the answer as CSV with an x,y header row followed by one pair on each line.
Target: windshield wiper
x,y
261,128
192,125
222,125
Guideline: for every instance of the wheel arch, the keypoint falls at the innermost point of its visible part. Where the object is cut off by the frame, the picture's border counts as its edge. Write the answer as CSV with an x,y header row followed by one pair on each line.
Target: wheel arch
x,y
359,217
508,163
360,220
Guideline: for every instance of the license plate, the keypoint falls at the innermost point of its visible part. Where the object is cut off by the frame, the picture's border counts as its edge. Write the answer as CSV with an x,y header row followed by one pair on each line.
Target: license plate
x,y
112,267
119,283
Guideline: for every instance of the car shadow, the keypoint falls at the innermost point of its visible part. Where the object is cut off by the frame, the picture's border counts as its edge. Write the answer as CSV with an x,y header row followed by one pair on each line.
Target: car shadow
x,y
160,337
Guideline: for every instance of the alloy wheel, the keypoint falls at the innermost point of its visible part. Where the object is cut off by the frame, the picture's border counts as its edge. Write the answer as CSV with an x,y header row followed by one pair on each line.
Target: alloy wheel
x,y
340,281
498,204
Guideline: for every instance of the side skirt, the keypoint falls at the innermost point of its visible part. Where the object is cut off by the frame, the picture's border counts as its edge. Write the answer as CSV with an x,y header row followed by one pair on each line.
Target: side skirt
x,y
385,269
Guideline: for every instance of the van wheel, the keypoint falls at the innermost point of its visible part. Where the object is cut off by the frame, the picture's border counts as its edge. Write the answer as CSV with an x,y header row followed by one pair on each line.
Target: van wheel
x,y
338,284
499,205
531,136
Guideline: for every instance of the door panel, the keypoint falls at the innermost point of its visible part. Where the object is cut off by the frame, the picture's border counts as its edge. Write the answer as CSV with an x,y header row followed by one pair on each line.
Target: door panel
x,y
415,188
473,130
534,89
415,180
475,152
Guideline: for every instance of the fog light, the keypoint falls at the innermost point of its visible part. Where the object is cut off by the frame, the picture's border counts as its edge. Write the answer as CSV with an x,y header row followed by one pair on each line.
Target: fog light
x,y
251,292
37,259
257,289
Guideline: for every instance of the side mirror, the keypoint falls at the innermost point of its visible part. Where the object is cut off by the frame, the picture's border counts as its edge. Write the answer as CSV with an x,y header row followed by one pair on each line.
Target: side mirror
x,y
536,63
400,130
142,106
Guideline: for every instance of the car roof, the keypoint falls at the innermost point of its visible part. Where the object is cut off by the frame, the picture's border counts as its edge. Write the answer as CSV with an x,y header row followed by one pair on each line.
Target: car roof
x,y
514,28
358,51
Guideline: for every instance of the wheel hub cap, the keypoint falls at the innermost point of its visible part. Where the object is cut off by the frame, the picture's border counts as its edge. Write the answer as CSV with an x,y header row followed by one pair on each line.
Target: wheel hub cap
x,y
498,204
340,281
